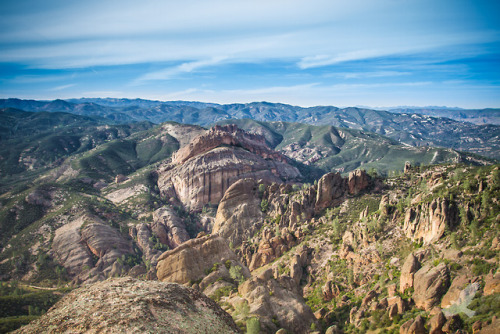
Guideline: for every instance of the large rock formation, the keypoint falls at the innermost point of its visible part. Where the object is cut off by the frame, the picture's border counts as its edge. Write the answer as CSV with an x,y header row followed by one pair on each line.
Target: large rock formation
x,y
126,305
169,228
413,326
143,237
190,261
273,304
431,283
78,242
358,181
408,271
202,171
229,135
68,249
106,243
239,214
428,221
331,189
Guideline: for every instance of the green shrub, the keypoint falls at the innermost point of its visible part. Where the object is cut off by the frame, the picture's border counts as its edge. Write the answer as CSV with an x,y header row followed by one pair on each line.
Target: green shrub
x,y
481,267
235,273
264,205
222,292
253,326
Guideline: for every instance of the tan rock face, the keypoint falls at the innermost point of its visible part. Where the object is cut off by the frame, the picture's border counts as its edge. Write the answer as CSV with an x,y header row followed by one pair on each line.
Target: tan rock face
x,y
203,170
429,220
436,323
458,284
68,249
358,181
142,234
492,284
239,214
269,300
413,326
331,189
75,247
126,305
169,227
408,271
270,248
229,135
106,243
431,283
189,261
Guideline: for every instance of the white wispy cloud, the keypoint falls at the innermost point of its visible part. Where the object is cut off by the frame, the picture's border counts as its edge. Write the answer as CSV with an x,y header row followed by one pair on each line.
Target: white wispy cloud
x,y
375,74
62,87
187,67
325,60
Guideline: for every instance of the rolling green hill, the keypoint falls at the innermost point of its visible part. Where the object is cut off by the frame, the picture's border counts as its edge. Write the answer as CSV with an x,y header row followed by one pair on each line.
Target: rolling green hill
x,y
339,149
417,127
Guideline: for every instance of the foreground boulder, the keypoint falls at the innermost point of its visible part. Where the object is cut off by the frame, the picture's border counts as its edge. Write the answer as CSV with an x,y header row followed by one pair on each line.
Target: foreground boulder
x,y
126,305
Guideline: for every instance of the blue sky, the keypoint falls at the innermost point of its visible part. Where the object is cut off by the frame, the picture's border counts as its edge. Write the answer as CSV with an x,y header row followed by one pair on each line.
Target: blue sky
x,y
376,53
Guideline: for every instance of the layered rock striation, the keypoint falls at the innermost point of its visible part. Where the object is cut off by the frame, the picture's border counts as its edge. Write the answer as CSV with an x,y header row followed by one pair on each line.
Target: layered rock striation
x,y
201,172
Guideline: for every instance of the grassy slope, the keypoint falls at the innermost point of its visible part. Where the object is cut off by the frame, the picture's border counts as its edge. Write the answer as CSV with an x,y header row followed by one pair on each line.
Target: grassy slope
x,y
347,149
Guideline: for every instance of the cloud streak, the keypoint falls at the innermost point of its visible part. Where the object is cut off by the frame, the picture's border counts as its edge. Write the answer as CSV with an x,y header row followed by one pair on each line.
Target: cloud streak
x,y
173,72
260,49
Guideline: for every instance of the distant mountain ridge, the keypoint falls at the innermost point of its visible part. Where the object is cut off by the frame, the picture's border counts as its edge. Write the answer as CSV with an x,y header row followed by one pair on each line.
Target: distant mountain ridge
x,y
411,128
475,116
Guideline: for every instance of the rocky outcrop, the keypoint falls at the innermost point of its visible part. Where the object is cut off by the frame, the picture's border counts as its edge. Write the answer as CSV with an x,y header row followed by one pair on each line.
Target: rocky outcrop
x,y
271,248
408,271
428,221
431,283
407,167
126,305
413,326
268,300
330,290
229,135
142,235
189,262
106,243
87,247
202,171
358,181
169,228
492,284
331,189
436,323
68,249
239,214
457,285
